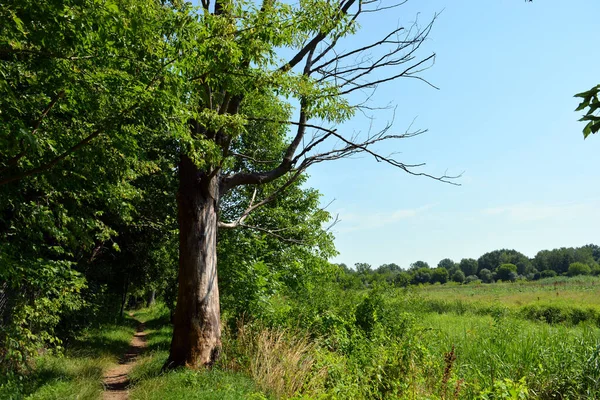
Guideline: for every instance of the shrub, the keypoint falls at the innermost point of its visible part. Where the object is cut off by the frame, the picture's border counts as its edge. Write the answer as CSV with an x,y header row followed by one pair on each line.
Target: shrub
x,y
468,266
549,273
458,276
472,278
422,275
440,275
486,275
402,279
368,312
507,272
578,268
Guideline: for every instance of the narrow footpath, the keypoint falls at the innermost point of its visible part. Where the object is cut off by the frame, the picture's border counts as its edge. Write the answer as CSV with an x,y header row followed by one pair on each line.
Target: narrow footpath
x,y
116,380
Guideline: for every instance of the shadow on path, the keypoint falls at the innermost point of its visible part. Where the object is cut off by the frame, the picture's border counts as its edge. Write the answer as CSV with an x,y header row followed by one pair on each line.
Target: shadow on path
x,y
116,380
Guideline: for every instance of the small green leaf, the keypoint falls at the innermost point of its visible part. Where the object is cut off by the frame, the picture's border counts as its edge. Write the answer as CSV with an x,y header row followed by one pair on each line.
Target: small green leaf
x,y
587,130
19,22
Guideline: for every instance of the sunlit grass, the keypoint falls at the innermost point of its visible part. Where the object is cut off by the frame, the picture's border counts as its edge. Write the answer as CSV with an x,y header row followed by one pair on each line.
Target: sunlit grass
x,y
577,291
151,382
555,360
78,373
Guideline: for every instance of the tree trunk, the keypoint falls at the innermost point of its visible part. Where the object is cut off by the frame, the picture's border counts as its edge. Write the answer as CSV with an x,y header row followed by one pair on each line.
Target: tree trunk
x,y
197,323
151,298
124,297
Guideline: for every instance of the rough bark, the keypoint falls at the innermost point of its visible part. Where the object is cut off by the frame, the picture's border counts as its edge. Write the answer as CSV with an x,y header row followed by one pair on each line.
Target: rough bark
x,y
197,332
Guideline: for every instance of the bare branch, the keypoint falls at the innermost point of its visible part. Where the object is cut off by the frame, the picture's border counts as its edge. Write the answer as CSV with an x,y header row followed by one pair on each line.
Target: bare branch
x,y
266,200
312,45
352,146
257,178
268,232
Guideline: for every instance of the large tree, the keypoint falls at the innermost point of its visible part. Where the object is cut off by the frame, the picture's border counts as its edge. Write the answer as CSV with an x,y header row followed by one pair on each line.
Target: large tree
x,y
165,88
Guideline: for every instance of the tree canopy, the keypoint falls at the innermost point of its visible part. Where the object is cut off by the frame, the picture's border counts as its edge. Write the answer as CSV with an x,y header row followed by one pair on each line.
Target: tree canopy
x,y
109,109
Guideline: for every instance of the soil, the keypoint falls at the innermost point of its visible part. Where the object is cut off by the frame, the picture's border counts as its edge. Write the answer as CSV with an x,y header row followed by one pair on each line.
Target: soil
x,y
116,380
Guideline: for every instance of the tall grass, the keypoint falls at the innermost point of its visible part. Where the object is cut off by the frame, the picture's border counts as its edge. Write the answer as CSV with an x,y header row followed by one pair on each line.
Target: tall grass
x,y
282,362
554,361
381,344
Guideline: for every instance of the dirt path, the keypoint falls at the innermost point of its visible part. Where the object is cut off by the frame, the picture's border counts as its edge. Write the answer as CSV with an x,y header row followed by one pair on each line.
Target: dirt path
x,y
116,380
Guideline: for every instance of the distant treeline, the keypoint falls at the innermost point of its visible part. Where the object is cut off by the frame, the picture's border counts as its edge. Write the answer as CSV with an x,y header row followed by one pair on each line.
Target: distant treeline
x,y
497,265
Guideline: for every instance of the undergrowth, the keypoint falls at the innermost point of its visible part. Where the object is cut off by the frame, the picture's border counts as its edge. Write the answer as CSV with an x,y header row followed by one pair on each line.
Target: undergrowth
x,y
382,343
77,372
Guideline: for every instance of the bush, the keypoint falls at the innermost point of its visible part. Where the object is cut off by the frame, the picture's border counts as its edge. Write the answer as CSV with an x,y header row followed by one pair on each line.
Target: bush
x,y
458,276
507,272
468,266
402,279
422,275
548,273
440,275
472,278
578,268
486,275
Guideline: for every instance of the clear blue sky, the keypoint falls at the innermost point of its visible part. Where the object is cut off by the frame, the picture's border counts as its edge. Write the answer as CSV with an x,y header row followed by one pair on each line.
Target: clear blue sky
x,y
507,72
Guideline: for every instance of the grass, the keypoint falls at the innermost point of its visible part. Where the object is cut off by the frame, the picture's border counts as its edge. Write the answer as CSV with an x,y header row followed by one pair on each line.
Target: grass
x,y
581,291
553,300
151,382
282,362
76,374
186,384
554,360
436,342
257,364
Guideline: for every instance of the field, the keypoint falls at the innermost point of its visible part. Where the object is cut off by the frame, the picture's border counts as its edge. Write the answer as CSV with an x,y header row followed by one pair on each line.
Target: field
x,y
433,342
583,291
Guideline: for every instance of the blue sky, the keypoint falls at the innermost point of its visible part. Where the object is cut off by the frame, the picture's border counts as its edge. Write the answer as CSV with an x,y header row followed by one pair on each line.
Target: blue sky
x,y
507,72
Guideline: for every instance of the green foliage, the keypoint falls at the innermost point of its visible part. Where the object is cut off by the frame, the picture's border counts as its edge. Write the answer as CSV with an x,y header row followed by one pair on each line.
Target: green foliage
x,y
402,279
255,268
578,268
96,100
422,275
494,259
440,275
75,374
548,273
368,312
458,276
75,73
446,263
554,314
589,101
34,299
559,260
507,389
211,384
418,265
486,276
469,266
362,268
507,272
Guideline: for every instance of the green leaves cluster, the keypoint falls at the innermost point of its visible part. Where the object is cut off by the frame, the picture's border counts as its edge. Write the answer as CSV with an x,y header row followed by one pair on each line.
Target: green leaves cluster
x,y
96,100
591,102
